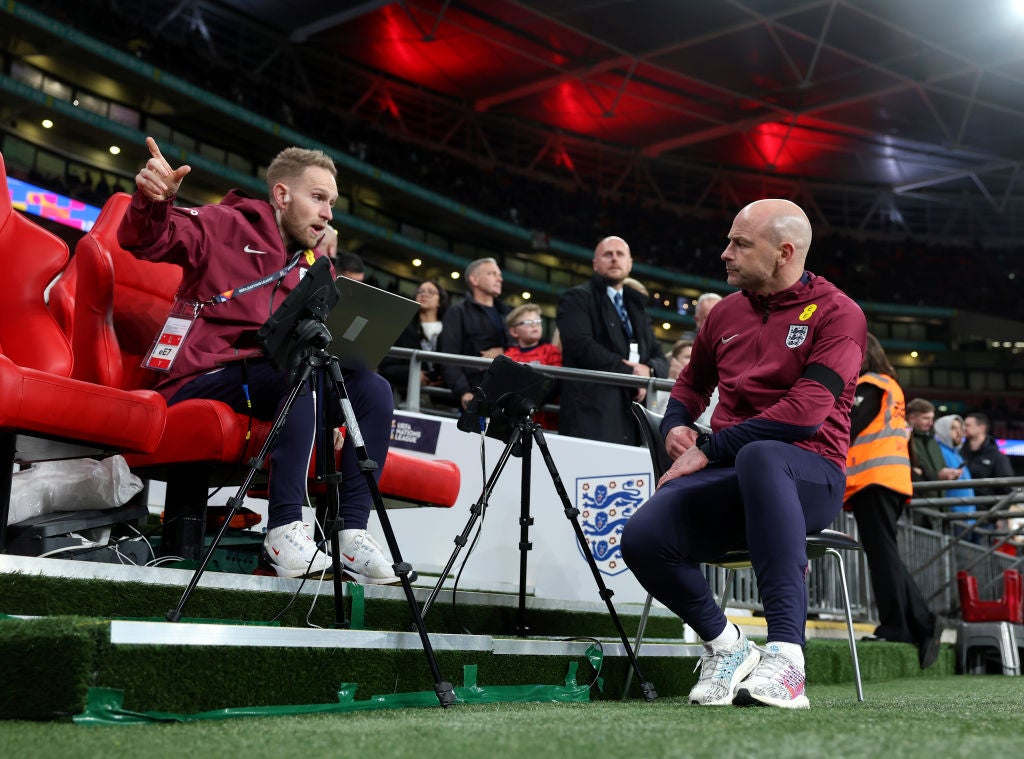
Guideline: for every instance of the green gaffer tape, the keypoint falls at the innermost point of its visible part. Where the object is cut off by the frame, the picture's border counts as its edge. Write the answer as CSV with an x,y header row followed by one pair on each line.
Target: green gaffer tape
x,y
357,614
105,706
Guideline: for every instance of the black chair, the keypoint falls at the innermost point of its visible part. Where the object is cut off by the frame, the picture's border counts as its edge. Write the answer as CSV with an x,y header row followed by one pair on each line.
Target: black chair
x,y
824,543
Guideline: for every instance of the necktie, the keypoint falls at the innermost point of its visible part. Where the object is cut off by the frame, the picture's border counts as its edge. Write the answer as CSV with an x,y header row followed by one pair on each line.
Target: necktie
x,y
621,308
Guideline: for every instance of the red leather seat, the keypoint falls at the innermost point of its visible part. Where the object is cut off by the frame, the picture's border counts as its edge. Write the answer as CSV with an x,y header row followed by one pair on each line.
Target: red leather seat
x,y
38,396
407,478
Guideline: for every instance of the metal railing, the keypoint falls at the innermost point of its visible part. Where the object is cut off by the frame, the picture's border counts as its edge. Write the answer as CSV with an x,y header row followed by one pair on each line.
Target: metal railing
x,y
933,552
414,389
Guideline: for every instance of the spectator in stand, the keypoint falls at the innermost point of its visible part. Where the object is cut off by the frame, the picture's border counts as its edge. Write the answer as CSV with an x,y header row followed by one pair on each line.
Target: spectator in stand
x,y
877,489
349,265
926,459
526,327
949,434
474,327
705,303
678,358
422,333
604,326
637,285
982,455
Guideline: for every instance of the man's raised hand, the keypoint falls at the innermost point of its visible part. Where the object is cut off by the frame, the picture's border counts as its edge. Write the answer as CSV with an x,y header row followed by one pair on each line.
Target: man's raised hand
x,y
157,180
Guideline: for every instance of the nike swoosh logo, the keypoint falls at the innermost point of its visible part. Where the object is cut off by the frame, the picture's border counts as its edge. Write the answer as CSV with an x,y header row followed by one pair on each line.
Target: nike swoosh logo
x,y
350,559
276,552
727,339
247,249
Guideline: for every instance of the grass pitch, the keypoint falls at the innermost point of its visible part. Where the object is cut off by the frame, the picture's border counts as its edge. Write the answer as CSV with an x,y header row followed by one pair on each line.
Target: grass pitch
x,y
961,716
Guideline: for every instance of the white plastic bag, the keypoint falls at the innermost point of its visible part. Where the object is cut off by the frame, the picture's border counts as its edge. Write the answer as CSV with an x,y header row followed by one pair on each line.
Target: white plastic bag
x,y
71,485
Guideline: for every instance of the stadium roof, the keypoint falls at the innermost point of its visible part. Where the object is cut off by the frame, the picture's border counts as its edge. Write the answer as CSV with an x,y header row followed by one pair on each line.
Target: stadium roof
x,y
883,115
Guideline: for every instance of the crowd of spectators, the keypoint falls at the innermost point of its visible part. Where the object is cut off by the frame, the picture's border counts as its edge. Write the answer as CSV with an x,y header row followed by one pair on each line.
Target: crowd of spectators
x,y
896,270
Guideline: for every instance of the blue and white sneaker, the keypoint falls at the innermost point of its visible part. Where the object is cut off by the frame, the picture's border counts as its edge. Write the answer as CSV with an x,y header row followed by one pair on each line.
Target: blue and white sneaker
x,y
722,669
776,681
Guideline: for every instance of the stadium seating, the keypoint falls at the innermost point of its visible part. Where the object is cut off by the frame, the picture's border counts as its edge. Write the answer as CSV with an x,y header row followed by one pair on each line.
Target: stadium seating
x,y
45,413
119,305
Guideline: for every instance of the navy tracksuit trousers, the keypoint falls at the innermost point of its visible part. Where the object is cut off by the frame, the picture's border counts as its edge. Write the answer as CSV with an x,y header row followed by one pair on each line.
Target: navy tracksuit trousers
x,y
372,403
768,501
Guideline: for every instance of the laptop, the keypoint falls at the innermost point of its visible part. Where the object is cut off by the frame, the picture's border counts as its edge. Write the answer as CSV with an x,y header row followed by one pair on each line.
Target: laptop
x,y
366,322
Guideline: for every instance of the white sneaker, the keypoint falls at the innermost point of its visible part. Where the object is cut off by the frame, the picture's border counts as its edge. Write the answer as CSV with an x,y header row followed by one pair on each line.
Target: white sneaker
x,y
365,561
293,553
777,681
722,668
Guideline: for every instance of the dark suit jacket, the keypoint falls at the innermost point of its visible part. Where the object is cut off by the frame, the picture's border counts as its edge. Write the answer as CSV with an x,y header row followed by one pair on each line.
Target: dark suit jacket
x,y
593,338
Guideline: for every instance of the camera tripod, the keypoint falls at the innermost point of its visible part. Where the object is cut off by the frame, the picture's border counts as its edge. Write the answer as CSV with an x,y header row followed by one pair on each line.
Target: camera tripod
x,y
524,432
310,361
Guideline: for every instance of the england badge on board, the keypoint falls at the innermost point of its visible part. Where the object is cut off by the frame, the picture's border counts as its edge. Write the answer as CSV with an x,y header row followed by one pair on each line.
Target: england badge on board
x,y
606,503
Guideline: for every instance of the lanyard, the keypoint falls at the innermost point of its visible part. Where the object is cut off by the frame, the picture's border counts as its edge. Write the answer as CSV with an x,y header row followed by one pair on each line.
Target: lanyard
x,y
256,284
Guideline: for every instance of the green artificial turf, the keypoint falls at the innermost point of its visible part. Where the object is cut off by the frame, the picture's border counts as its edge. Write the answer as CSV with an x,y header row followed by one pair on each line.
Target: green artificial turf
x,y
49,596
968,716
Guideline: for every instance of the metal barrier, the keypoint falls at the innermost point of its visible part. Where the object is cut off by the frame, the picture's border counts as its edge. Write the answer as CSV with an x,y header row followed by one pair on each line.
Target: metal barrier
x,y
969,540
414,390
933,553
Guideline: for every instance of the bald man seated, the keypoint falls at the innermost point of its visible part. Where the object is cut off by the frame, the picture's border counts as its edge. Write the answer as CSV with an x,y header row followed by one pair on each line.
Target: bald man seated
x,y
785,353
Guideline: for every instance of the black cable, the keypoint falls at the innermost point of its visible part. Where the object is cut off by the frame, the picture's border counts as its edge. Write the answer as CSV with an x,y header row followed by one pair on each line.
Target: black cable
x,y
600,647
465,560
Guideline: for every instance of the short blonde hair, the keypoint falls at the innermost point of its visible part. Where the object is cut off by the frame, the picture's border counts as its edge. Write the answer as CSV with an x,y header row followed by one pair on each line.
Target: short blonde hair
x,y
292,162
516,313
637,285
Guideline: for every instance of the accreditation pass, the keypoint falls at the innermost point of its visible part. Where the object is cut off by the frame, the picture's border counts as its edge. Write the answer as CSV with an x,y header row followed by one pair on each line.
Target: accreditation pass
x,y
167,344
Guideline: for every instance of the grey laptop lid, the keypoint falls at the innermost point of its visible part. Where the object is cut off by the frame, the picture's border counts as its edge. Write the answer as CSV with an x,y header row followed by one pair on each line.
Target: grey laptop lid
x,y
366,322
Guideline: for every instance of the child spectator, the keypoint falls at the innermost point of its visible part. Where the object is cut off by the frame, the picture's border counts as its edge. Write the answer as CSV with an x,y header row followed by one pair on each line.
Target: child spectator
x,y
526,327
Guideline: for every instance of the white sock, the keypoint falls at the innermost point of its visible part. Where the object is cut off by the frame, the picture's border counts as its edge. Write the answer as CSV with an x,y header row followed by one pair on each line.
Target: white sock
x,y
791,651
729,635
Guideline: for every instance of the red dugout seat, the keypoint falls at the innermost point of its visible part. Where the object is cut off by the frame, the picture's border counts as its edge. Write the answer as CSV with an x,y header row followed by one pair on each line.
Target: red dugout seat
x,y
39,399
406,478
120,303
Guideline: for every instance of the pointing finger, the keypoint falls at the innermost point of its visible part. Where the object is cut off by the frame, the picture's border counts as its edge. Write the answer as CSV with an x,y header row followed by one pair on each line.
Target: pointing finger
x,y
154,149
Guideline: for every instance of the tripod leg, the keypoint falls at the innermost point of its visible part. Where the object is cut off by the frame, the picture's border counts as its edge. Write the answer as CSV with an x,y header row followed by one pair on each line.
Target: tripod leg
x,y
327,472
235,502
525,521
572,514
445,692
475,511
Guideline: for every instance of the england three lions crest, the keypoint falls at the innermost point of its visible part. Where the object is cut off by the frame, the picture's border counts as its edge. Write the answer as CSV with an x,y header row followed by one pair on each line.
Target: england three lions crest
x,y
606,504
797,335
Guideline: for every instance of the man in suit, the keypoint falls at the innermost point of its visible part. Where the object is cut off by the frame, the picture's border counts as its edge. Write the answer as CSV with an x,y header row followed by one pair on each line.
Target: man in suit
x,y
602,325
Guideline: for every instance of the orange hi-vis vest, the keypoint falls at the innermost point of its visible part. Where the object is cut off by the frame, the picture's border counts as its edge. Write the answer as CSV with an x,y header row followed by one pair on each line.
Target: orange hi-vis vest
x,y
879,455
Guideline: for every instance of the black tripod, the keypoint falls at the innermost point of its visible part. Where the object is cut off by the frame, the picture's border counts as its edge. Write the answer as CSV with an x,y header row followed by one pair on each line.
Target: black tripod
x,y
316,360
524,432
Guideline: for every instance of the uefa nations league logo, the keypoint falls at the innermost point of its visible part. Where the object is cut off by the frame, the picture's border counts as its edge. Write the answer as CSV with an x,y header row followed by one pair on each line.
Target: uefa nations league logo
x,y
606,504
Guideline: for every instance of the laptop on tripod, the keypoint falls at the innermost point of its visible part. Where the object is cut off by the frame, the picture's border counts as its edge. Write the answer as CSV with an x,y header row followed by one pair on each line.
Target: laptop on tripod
x,y
366,322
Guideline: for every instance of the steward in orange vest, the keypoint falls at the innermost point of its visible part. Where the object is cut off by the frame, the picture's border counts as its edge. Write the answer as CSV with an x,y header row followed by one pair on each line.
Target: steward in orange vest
x,y
879,454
